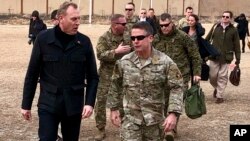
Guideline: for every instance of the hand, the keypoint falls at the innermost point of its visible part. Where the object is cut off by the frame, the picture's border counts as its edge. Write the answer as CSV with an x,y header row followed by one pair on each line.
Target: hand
x,y
170,122
115,118
87,111
26,114
122,49
196,78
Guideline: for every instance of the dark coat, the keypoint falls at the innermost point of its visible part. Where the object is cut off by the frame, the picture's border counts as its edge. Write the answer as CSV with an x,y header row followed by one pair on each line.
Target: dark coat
x,y
242,27
36,27
153,25
205,48
63,74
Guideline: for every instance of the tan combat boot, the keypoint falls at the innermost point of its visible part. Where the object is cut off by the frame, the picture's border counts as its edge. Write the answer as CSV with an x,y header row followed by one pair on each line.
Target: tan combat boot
x,y
169,136
100,135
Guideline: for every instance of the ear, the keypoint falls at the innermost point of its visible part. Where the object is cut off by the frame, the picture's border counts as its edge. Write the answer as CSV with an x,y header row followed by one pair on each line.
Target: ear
x,y
151,38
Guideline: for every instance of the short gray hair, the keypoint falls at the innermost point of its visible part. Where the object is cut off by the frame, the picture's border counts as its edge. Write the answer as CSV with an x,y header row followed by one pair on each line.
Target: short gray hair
x,y
63,7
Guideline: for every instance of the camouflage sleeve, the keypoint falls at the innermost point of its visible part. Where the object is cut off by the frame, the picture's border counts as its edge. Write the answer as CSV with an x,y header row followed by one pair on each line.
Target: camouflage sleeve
x,y
194,55
175,83
115,89
104,50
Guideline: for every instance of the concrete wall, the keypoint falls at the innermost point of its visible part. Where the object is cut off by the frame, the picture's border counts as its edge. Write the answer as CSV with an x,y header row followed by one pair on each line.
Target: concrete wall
x,y
104,7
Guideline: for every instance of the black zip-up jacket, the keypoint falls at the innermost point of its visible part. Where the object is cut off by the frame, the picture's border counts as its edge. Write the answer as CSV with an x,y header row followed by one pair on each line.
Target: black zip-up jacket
x,y
64,72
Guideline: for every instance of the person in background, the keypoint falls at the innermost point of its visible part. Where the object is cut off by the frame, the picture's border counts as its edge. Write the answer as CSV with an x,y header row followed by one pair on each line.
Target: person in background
x,y
142,77
64,60
151,15
143,17
184,21
109,49
242,29
35,27
226,39
182,49
131,20
54,18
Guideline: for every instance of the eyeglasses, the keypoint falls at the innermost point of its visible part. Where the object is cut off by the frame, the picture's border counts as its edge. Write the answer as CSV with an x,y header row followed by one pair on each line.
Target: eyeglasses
x,y
226,17
165,25
123,24
143,13
139,38
128,9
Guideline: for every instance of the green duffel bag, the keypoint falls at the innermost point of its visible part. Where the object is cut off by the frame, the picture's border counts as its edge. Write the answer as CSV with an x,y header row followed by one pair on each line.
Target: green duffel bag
x,y
195,105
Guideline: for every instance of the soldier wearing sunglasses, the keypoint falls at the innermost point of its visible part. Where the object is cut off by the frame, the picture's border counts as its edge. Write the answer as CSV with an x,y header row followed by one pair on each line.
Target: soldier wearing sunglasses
x,y
131,20
109,49
143,77
226,39
182,49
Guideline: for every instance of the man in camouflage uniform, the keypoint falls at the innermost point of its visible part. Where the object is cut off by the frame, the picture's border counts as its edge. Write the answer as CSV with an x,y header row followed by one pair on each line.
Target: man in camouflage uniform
x,y
109,49
143,77
181,48
131,20
183,22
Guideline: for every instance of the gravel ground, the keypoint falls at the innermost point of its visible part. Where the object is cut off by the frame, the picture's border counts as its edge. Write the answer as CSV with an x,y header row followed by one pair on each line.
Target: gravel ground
x,y
14,56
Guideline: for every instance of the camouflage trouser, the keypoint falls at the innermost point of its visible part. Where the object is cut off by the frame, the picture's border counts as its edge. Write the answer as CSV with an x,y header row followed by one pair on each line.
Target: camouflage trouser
x,y
184,88
133,132
100,107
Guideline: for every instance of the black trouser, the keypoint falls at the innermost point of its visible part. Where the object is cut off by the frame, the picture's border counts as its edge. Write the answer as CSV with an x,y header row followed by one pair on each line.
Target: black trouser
x,y
48,126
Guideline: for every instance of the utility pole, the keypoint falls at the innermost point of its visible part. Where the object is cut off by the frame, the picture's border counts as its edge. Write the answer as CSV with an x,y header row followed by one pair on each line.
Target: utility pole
x,y
47,7
21,7
199,5
183,6
113,5
167,6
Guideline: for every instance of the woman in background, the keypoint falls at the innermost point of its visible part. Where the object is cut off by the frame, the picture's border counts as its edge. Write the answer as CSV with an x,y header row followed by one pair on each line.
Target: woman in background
x,y
242,29
36,26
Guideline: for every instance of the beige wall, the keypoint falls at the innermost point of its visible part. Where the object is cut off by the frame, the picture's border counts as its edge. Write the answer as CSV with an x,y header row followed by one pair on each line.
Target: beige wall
x,y
104,7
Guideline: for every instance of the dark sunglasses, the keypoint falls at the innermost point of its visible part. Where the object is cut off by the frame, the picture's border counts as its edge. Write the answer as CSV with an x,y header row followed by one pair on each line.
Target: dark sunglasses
x,y
165,25
123,24
226,17
139,38
127,9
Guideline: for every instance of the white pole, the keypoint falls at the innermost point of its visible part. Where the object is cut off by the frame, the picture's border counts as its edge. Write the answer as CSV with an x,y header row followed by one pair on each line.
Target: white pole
x,y
151,3
90,11
141,5
79,2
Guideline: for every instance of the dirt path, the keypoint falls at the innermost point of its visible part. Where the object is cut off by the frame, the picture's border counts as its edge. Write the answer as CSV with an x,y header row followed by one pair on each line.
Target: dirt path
x,y
14,56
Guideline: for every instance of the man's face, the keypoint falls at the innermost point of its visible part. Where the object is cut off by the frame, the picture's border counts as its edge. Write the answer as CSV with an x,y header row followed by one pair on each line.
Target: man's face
x,y
33,18
151,13
129,10
166,26
70,21
143,13
226,18
54,21
141,40
189,12
120,26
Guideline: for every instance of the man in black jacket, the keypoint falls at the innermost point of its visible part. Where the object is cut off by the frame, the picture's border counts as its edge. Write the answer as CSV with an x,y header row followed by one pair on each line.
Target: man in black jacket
x,y
64,60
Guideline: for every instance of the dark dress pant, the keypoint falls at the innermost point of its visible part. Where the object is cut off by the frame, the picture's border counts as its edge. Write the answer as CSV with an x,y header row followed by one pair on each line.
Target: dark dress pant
x,y
48,126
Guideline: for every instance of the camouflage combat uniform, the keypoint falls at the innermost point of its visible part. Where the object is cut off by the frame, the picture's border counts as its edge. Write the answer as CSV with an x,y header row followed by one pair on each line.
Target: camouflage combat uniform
x,y
105,53
182,23
143,87
130,23
180,47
